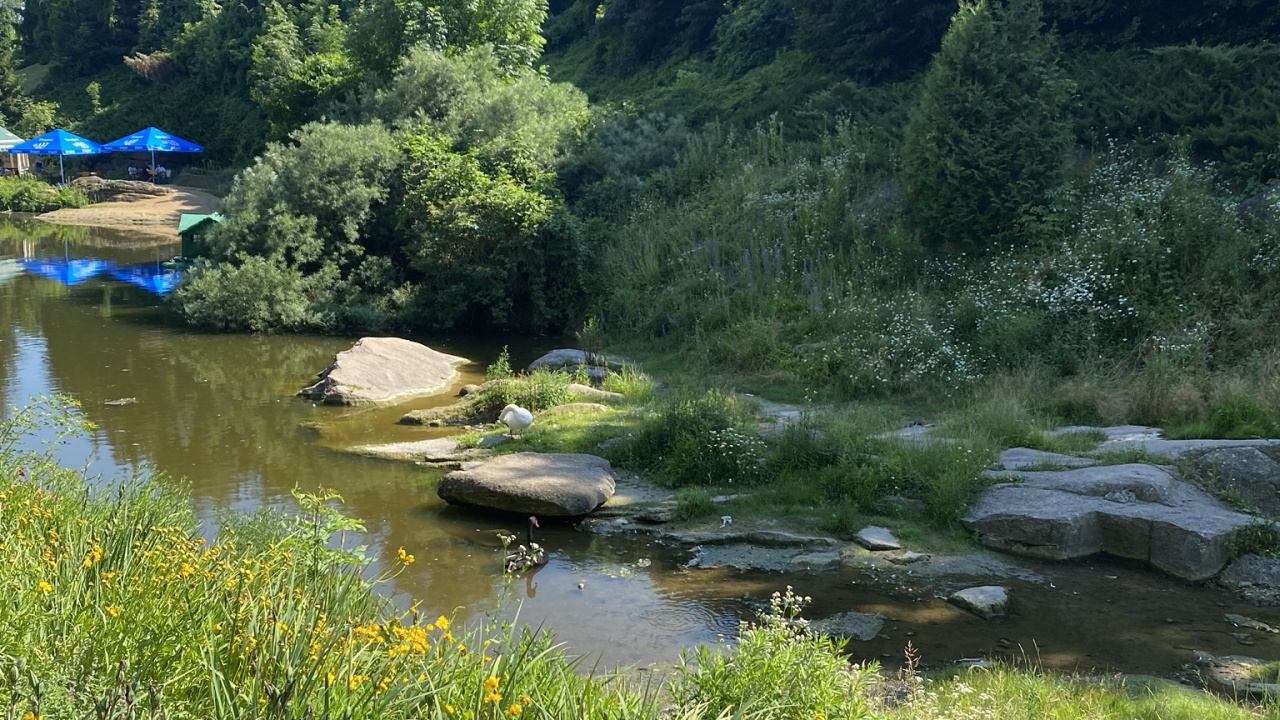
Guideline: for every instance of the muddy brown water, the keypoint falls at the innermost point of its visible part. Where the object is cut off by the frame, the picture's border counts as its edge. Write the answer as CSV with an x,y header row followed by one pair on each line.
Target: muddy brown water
x,y
219,411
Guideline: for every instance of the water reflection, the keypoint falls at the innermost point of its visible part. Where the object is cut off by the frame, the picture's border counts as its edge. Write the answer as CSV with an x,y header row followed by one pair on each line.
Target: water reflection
x,y
219,412
154,279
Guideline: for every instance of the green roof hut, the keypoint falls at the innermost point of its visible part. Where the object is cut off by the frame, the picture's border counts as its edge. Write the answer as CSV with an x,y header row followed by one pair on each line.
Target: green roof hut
x,y
190,227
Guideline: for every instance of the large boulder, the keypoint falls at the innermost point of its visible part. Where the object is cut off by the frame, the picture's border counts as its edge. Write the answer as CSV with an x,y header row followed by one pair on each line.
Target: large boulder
x,y
1134,511
596,366
548,484
986,601
1246,473
381,370
100,190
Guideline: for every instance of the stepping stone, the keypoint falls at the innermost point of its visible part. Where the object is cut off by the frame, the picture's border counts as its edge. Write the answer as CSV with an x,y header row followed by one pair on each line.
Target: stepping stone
x,y
986,601
877,538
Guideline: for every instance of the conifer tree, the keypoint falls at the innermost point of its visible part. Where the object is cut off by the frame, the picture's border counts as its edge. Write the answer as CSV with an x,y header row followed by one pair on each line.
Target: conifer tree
x,y
986,146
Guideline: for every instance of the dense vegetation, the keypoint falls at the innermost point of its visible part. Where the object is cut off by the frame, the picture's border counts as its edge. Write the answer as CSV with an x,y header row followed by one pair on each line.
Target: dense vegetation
x,y
842,198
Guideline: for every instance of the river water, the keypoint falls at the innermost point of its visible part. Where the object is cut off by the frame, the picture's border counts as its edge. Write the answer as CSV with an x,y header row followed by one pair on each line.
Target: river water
x,y
219,412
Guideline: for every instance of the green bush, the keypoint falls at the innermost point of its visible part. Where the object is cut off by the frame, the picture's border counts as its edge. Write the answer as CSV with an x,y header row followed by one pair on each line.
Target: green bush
x,y
987,144
28,194
257,295
778,671
702,440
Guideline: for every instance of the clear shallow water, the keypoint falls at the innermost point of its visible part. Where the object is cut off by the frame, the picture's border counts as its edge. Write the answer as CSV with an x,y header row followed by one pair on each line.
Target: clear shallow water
x,y
219,412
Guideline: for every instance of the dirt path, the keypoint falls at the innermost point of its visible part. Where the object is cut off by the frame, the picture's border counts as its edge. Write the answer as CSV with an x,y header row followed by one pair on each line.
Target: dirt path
x,y
155,216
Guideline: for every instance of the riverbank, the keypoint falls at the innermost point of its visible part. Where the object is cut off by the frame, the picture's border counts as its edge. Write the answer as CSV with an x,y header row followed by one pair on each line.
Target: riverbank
x,y
152,215
117,601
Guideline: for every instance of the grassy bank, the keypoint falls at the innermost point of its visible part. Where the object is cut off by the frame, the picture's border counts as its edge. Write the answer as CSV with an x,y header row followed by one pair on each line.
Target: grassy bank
x,y
117,608
838,468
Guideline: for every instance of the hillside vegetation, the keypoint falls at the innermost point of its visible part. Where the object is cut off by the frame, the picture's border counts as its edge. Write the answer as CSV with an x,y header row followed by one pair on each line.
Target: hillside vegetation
x,y
840,199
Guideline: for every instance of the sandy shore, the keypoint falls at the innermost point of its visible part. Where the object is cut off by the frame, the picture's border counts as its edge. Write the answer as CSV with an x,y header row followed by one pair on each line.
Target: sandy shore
x,y
154,216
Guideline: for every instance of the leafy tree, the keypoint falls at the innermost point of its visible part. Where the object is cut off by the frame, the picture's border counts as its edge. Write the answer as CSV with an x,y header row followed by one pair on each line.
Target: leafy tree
x,y
300,63
489,242
513,28
987,143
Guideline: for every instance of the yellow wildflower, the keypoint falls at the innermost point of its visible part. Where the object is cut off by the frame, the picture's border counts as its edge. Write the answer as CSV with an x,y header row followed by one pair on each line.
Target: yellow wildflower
x,y
405,557
448,709
491,685
186,571
354,681
329,677
514,710
112,611
442,622
493,697
447,637
525,700
44,587
462,649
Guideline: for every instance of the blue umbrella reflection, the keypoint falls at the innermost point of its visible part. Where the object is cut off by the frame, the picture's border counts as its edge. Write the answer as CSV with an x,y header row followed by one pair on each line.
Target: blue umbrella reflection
x,y
150,277
67,272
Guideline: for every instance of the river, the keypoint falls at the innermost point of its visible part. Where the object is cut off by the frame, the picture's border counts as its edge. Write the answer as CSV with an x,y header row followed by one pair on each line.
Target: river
x,y
219,412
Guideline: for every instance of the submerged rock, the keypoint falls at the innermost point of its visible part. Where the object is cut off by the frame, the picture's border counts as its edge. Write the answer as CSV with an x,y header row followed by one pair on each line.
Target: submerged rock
x,y
986,601
380,370
873,537
1133,511
548,484
858,625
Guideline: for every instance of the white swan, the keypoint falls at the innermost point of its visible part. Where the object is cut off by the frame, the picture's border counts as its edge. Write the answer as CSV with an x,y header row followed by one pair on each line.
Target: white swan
x,y
516,418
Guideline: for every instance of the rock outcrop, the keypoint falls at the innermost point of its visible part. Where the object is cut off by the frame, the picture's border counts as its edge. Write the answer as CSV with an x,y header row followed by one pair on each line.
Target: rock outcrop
x,y
381,370
1134,511
99,190
550,484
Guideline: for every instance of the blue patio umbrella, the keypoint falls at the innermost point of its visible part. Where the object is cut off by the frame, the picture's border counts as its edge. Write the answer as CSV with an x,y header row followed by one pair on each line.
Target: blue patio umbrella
x,y
60,143
150,277
154,140
67,272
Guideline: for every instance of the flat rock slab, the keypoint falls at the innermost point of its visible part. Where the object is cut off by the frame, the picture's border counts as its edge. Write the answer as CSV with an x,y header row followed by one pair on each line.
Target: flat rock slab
x,y
438,451
1020,458
548,484
858,625
589,393
873,537
1134,511
986,601
1152,441
761,538
382,370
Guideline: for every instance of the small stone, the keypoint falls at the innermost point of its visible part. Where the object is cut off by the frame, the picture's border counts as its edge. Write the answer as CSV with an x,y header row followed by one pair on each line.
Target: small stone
x,y
873,537
986,601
